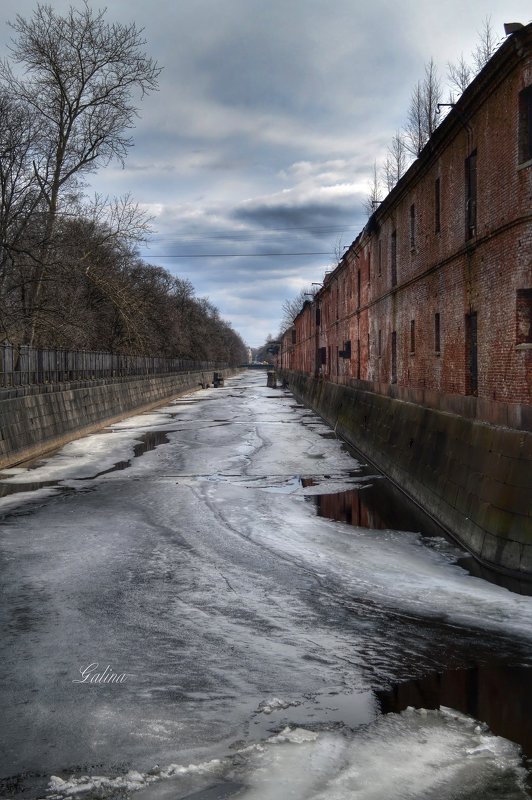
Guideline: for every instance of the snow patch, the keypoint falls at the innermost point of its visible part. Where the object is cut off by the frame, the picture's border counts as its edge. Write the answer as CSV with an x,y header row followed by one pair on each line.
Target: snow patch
x,y
415,755
276,704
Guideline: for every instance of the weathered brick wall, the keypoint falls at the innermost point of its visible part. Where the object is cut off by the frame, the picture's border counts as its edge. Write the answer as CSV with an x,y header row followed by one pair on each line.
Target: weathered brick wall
x,y
442,266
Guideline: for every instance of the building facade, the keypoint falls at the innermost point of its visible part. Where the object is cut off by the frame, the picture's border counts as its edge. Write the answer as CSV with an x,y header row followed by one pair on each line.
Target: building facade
x,y
432,303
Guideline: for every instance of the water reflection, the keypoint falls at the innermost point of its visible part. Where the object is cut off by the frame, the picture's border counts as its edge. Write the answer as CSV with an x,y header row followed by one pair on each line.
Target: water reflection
x,y
377,505
500,696
7,489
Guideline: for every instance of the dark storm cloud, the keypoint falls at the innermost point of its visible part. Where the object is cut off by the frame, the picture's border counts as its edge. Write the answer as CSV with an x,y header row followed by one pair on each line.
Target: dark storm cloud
x,y
314,216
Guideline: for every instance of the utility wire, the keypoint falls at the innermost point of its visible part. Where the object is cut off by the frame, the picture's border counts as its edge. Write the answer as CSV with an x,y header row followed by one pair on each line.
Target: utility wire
x,y
232,255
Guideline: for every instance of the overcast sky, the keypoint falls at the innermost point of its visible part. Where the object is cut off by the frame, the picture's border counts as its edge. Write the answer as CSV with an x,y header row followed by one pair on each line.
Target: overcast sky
x,y
262,137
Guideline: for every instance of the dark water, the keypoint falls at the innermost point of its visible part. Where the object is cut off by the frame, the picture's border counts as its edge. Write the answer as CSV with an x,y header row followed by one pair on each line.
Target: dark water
x,y
498,695
379,505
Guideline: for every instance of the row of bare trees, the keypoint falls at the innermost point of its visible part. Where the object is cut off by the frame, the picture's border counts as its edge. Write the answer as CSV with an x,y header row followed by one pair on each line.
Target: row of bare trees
x,y
70,274
423,115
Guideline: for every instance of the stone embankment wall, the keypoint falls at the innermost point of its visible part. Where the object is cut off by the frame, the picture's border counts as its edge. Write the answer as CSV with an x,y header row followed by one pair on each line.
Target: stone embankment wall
x,y
35,419
475,479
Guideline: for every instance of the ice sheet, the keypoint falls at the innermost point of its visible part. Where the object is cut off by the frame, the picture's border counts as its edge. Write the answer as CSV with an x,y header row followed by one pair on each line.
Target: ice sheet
x,y
415,755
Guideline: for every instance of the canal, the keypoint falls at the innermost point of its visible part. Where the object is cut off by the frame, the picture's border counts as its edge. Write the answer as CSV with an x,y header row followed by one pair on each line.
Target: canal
x,y
219,599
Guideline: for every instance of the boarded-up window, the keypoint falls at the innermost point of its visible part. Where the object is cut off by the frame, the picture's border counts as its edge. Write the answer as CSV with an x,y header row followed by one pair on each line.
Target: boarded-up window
x,y
523,333
471,194
394,357
394,258
525,125
437,206
437,333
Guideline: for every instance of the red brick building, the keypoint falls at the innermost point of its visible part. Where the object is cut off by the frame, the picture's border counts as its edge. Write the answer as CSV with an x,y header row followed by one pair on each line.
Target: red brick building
x,y
432,302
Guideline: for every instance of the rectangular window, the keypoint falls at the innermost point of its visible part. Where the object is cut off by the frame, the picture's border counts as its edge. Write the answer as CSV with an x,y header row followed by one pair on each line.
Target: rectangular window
x,y
379,344
358,289
412,336
394,357
293,335
437,333
437,206
471,194
358,359
525,125
471,354
394,258
379,254
369,266
346,352
413,226
323,355
523,334
318,316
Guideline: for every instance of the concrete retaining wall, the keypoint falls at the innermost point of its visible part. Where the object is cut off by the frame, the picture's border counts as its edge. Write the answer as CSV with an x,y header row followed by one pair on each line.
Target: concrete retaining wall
x,y
37,420
474,478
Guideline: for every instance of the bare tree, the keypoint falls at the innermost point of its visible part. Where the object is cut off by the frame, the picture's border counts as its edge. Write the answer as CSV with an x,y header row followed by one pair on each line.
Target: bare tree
x,y
459,75
19,202
291,308
373,197
422,118
486,45
396,161
79,76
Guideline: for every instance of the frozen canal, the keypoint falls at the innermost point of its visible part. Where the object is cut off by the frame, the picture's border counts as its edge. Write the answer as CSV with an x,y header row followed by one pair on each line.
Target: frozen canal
x,y
213,600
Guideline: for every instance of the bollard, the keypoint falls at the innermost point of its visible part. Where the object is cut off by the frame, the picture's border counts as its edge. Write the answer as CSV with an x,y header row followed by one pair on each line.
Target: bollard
x,y
272,380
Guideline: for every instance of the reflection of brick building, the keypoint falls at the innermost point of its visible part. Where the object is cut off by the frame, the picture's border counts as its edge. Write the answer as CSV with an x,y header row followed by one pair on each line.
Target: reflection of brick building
x,y
432,302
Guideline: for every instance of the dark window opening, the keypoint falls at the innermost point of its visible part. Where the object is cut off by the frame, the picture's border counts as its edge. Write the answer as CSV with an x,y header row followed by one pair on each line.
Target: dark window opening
x,y
413,226
394,357
437,333
359,301
323,355
318,316
293,335
437,206
471,354
379,343
369,266
346,352
379,253
523,333
358,359
394,258
525,125
471,194
412,336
